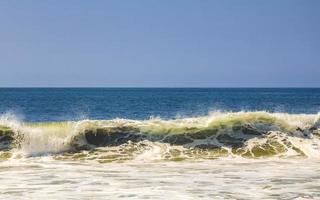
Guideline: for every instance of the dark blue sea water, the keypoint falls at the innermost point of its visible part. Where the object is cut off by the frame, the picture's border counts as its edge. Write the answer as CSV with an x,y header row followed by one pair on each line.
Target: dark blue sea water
x,y
59,104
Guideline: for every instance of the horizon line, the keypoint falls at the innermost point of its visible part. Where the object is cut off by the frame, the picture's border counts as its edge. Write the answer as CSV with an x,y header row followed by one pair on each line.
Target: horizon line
x,y
152,87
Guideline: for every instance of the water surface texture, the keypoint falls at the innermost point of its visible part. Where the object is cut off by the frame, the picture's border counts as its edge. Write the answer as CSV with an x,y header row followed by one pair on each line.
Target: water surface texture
x,y
196,143
137,103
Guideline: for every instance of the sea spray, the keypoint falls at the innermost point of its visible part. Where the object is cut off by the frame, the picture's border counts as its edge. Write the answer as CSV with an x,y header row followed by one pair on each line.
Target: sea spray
x,y
245,134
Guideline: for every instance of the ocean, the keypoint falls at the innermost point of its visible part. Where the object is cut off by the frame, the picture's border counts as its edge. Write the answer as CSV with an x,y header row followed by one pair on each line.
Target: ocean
x,y
160,143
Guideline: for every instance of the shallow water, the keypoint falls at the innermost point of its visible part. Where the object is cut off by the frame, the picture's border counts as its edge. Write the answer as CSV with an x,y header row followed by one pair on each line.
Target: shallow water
x,y
44,177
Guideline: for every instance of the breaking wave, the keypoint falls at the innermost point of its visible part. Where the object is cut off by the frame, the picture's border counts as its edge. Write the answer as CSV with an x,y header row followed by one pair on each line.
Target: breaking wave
x,y
220,134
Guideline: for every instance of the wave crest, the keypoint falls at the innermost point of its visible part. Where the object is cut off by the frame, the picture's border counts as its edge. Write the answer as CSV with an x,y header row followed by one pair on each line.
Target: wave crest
x,y
245,134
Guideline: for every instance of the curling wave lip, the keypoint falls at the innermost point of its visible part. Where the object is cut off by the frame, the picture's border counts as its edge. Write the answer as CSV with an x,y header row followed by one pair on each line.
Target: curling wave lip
x,y
220,134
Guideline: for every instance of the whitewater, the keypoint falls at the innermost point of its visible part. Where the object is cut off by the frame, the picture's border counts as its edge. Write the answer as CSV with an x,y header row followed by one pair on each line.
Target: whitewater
x,y
159,143
234,155
220,134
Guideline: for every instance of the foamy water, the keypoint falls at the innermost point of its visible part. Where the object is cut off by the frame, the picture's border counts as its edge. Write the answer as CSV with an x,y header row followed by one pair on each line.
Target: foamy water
x,y
241,155
250,134
47,178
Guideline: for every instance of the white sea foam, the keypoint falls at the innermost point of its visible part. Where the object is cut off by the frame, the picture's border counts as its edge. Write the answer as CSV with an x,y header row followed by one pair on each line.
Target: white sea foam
x,y
298,130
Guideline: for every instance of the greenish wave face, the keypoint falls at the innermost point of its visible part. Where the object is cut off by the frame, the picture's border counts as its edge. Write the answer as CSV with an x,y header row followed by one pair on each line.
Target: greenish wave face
x,y
242,134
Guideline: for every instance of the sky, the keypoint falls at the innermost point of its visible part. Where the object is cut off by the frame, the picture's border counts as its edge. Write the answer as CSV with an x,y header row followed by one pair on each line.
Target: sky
x,y
167,43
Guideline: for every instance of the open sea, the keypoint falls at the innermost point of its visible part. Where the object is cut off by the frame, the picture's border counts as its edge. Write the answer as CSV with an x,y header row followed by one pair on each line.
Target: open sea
x,y
160,143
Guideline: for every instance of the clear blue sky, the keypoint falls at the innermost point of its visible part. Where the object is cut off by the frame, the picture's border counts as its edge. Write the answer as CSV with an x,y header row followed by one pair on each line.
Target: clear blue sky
x,y
165,43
